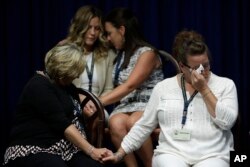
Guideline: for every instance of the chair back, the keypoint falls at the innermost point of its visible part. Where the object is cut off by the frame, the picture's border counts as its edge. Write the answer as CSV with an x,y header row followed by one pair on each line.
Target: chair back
x,y
99,131
170,65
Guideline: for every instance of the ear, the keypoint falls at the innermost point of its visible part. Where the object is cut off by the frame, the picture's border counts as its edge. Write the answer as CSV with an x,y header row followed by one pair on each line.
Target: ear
x,y
122,30
181,65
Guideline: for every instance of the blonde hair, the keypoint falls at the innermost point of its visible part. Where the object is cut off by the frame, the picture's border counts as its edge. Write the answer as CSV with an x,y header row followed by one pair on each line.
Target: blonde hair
x,y
64,61
80,25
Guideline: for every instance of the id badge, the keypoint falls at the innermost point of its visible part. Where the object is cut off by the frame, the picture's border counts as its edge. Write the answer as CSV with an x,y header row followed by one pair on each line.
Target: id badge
x,y
182,134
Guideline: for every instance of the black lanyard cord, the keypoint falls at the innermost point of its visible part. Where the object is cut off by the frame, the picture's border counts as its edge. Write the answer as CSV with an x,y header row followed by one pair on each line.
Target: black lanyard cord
x,y
118,68
90,72
186,102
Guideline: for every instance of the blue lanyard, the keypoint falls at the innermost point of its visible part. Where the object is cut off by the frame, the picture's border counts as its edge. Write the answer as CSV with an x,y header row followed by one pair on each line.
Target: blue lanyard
x,y
118,68
186,102
90,72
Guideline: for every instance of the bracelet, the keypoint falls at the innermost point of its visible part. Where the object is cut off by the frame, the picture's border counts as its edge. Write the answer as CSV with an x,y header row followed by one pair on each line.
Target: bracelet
x,y
207,93
90,150
119,156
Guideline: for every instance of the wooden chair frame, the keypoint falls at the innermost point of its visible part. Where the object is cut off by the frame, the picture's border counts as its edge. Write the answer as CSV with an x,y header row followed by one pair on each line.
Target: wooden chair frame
x,y
99,133
168,58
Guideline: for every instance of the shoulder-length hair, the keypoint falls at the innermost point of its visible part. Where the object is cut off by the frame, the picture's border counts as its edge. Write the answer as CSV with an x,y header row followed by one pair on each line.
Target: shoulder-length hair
x,y
64,61
133,34
80,25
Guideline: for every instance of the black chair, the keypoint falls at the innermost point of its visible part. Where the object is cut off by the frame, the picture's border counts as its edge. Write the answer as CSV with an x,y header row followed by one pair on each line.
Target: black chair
x,y
170,65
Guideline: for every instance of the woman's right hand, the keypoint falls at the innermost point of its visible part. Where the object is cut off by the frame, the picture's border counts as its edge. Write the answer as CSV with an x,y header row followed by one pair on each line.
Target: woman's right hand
x,y
89,109
99,153
114,157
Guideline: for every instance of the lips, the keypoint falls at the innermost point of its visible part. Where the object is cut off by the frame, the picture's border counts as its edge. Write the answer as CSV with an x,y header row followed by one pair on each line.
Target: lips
x,y
91,39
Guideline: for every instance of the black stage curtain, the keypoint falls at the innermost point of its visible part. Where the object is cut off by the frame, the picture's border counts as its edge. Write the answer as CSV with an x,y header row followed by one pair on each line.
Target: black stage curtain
x,y
29,28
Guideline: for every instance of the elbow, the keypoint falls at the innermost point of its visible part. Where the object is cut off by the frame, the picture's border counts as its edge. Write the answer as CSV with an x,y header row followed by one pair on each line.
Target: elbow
x,y
225,125
227,122
131,88
225,116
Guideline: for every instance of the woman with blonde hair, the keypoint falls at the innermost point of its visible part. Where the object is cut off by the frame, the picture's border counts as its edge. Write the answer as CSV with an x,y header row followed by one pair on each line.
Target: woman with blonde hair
x,y
47,130
86,30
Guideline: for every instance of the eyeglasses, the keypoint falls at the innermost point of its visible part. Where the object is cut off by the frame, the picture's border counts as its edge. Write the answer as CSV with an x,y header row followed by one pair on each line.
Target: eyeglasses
x,y
206,66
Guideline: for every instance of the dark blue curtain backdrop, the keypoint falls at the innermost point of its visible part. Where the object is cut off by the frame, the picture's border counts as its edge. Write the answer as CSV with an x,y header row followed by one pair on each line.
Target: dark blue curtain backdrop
x,y
29,28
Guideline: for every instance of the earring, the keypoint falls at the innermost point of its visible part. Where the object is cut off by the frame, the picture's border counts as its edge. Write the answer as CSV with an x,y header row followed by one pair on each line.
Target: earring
x,y
123,40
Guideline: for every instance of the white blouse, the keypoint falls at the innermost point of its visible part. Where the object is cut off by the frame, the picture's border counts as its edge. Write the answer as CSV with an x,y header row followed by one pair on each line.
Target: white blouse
x,y
210,137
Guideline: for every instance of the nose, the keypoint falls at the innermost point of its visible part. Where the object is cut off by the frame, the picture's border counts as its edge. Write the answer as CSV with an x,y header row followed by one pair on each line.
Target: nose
x,y
92,31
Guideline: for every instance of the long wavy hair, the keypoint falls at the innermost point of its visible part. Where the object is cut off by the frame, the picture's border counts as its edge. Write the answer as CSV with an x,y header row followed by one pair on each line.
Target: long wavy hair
x,y
80,25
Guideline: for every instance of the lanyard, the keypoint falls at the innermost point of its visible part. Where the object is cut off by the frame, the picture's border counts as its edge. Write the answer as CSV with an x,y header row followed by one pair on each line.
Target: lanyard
x,y
118,68
90,72
186,102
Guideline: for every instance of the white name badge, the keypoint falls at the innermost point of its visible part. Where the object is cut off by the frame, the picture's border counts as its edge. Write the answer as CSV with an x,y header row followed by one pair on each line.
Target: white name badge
x,y
182,134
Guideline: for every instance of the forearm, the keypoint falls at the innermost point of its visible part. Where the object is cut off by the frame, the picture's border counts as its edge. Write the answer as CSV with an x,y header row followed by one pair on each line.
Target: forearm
x,y
117,94
210,100
120,154
74,136
138,75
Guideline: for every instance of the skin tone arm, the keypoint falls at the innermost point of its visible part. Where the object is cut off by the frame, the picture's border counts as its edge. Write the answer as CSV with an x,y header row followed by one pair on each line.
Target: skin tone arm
x,y
199,83
89,109
146,63
116,157
73,135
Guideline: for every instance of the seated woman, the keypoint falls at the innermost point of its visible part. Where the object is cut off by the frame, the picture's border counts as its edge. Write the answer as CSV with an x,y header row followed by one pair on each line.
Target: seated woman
x,y
195,110
87,31
47,130
136,71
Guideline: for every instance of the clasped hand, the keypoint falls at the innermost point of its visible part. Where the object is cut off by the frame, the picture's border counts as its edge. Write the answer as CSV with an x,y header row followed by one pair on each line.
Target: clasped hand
x,y
112,157
104,155
89,109
99,154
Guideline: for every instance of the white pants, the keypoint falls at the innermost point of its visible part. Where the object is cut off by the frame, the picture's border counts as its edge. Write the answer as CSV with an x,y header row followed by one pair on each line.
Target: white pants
x,y
168,160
